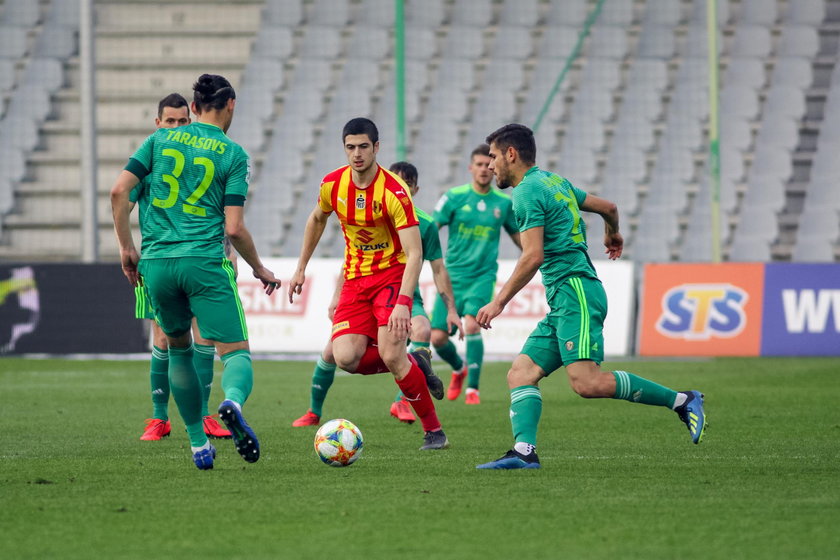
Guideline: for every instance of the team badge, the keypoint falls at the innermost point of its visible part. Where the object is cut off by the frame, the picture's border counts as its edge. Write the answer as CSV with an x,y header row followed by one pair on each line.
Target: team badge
x,y
570,345
481,206
360,202
377,207
497,213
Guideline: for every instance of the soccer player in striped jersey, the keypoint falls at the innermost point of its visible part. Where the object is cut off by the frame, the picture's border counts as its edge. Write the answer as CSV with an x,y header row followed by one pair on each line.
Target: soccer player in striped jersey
x,y
324,371
383,256
547,209
475,213
197,187
173,111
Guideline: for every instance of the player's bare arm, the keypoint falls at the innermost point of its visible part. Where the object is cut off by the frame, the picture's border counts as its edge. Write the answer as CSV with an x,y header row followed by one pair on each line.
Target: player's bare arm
x,y
613,240
517,240
444,287
121,209
242,241
315,225
526,267
399,322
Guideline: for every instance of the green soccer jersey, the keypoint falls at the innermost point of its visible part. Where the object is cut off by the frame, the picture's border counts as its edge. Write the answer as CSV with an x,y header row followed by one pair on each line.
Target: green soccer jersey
x,y
475,222
137,193
191,172
543,199
431,243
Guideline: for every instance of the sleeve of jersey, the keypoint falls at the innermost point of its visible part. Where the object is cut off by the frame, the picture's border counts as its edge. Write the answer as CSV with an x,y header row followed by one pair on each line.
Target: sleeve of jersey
x,y
431,244
529,211
134,195
400,209
579,194
325,197
140,164
236,188
443,212
510,221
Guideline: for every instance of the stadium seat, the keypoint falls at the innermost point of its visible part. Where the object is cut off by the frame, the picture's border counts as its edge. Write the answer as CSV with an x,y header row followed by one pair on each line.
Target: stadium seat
x,y
606,41
793,71
652,74
557,42
662,12
627,162
822,193
300,101
524,13
377,13
756,222
743,71
369,43
274,41
813,249
578,165
63,13
420,43
759,12
785,100
12,164
696,42
798,40
464,42
31,101
571,13
751,41
457,73
739,101
360,76
14,42
772,161
765,189
512,42
268,72
621,191
640,101
288,13
699,11
56,41
805,12
656,41
601,73
778,130
429,14
45,72
7,77
20,132
735,135
21,13
513,72
321,41
312,74
617,12
330,13
476,13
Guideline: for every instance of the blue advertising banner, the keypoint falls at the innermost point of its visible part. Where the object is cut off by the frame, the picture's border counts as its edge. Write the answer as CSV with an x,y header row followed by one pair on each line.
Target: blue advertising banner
x,y
801,310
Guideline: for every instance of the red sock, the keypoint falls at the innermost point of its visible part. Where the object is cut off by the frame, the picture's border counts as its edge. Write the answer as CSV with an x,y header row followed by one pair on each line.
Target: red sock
x,y
371,362
414,388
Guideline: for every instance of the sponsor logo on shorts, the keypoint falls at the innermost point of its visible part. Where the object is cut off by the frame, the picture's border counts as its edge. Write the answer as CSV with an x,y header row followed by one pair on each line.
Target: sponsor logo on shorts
x,y
340,326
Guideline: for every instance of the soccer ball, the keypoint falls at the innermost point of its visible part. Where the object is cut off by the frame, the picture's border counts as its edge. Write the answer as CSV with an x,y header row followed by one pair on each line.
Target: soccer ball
x,y
338,442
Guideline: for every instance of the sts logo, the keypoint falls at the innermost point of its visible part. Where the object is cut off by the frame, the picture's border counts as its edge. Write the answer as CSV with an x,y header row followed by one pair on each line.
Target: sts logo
x,y
702,311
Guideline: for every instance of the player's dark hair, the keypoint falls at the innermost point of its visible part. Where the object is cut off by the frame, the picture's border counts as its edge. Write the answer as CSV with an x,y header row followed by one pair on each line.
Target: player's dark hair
x,y
212,92
405,170
174,100
360,125
480,150
520,137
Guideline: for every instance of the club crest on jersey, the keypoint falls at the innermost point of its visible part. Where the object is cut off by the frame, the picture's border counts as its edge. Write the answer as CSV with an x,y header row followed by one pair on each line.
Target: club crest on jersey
x,y
360,202
497,213
481,206
377,207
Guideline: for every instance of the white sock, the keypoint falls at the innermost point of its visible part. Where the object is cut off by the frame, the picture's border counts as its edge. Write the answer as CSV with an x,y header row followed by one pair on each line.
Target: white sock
x,y
470,390
524,448
679,401
202,448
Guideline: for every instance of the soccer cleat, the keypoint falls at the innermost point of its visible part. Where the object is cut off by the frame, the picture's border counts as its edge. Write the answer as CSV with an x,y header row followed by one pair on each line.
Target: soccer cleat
x,y
691,413
472,397
204,459
434,440
308,419
401,410
213,429
423,359
456,383
513,460
244,438
156,429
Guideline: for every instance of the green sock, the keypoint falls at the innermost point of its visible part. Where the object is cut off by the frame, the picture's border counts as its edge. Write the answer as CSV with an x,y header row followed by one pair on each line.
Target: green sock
x,y
633,388
415,345
186,391
203,361
322,380
449,354
525,411
475,357
159,377
238,376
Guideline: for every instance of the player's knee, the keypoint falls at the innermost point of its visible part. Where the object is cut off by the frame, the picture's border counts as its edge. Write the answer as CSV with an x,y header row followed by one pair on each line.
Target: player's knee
x,y
420,332
439,338
587,386
471,326
518,376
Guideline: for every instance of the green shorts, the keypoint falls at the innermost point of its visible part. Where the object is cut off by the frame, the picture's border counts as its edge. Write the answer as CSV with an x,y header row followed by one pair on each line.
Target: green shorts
x,y
417,305
142,304
470,296
573,330
183,287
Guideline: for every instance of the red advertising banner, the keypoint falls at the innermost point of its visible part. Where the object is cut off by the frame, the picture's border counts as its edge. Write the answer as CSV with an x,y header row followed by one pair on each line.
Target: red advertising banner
x,y
701,310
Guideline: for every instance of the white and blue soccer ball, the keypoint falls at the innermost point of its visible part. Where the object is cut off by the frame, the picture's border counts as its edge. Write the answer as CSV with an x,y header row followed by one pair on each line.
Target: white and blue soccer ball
x,y
339,442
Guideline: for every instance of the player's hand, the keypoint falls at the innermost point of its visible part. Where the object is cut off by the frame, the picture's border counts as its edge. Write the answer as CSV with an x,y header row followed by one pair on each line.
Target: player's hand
x,y
614,244
129,260
296,284
269,282
487,313
331,308
453,321
399,323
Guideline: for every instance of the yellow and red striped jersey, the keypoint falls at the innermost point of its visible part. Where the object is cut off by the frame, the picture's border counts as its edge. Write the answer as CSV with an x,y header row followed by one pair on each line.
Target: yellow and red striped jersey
x,y
370,218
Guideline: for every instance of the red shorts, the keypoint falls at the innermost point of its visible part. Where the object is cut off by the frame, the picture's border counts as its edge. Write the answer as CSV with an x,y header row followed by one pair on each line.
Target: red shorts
x,y
366,303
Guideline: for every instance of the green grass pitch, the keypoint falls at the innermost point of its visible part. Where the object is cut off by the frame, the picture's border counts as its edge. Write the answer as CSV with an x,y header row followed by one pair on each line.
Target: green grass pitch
x,y
618,480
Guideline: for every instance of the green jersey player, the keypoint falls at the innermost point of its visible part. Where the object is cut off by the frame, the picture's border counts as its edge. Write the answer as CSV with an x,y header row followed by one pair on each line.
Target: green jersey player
x,y
198,179
547,209
475,214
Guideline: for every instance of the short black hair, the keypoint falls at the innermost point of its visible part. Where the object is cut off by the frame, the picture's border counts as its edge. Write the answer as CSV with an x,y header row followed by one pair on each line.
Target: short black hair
x,y
480,150
212,91
174,100
518,136
405,170
360,125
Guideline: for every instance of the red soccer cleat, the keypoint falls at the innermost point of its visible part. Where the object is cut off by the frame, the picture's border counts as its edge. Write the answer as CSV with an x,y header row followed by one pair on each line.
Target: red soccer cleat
x,y
308,419
472,397
156,429
401,410
456,383
213,429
